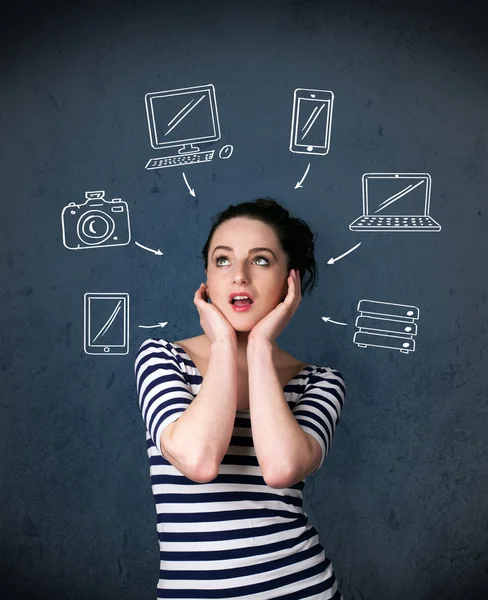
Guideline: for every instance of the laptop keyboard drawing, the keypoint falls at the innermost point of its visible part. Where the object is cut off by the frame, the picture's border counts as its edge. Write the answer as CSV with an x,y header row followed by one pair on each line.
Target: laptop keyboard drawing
x,y
395,202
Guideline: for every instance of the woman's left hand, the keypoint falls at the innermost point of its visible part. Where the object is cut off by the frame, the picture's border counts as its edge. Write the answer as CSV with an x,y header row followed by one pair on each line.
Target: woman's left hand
x,y
270,327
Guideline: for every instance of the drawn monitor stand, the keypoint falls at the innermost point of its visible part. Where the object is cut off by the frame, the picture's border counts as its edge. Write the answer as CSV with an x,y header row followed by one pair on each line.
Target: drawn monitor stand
x,y
311,121
396,202
96,223
184,118
386,325
106,323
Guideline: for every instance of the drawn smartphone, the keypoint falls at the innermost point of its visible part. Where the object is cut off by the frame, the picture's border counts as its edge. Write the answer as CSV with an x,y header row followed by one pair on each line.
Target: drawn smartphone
x,y
106,323
311,121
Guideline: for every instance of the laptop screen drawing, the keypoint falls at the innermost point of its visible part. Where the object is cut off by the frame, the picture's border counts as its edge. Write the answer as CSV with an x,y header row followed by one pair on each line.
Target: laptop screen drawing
x,y
395,202
398,196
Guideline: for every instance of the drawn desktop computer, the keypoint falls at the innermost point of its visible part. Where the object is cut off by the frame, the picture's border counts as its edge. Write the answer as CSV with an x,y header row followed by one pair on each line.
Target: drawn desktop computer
x,y
184,118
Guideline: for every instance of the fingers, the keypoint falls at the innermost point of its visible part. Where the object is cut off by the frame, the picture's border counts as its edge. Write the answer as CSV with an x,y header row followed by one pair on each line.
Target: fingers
x,y
201,305
199,293
294,290
298,282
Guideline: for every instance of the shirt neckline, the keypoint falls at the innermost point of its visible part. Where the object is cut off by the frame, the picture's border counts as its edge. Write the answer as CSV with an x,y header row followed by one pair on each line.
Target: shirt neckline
x,y
197,370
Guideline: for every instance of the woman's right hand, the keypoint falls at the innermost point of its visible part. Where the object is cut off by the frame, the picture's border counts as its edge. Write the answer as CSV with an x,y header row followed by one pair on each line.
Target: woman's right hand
x,y
212,320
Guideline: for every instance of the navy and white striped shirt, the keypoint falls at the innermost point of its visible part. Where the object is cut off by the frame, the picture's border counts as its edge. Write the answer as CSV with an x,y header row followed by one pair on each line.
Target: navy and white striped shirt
x,y
234,537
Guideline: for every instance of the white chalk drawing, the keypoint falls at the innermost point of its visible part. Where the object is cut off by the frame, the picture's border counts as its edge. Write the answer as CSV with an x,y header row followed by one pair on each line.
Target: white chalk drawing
x,y
156,252
329,320
182,118
396,202
226,151
190,189
95,223
386,325
299,183
106,323
163,324
311,121
333,260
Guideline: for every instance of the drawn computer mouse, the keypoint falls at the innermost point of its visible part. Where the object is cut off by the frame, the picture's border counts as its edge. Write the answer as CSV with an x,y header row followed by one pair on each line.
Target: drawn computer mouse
x,y
226,151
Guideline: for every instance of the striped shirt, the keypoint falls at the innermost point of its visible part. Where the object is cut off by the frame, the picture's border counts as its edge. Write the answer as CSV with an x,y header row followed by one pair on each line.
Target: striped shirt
x,y
234,537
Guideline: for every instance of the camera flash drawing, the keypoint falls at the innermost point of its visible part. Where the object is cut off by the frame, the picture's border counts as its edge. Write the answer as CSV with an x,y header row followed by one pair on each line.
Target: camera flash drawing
x,y
386,325
95,223
311,121
106,323
396,202
183,118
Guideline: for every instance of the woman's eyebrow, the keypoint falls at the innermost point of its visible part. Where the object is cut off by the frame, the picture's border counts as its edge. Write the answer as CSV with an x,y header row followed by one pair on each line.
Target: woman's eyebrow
x,y
258,249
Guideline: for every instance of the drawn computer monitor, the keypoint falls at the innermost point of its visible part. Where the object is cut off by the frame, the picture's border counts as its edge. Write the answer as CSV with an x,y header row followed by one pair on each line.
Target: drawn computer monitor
x,y
183,117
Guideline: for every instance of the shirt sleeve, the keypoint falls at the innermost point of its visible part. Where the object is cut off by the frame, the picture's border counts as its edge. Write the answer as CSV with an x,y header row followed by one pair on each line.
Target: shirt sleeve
x,y
319,408
164,394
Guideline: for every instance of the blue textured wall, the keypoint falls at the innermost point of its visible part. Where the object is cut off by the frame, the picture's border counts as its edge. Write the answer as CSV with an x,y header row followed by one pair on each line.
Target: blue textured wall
x,y
400,503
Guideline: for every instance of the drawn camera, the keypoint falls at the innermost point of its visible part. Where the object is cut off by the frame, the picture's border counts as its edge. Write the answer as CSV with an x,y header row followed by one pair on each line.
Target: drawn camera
x,y
97,223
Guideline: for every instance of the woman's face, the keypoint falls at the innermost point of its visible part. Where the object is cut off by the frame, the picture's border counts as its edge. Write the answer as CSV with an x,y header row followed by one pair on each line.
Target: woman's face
x,y
245,255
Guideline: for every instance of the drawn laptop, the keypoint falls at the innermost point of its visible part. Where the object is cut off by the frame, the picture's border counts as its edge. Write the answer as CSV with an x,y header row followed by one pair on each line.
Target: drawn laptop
x,y
396,202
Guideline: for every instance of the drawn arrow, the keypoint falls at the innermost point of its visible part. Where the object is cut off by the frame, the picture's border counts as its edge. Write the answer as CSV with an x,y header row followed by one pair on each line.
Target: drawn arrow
x,y
299,183
191,190
329,320
331,261
158,251
150,326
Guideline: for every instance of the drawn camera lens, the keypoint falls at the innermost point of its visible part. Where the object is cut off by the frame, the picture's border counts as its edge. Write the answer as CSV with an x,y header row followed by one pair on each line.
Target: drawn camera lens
x,y
95,227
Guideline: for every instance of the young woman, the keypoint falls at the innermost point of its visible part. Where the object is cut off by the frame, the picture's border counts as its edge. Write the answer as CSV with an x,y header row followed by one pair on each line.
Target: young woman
x,y
234,424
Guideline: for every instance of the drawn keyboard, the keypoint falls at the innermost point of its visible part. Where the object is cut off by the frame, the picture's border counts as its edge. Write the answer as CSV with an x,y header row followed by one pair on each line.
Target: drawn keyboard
x,y
180,160
401,222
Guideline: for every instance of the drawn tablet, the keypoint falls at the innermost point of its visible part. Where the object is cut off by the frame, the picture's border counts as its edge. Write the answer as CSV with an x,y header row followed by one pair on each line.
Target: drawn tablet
x,y
106,323
311,121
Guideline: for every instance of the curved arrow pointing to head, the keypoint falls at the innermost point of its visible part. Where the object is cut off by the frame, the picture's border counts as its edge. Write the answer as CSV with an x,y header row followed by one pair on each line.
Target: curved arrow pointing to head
x,y
158,252
331,261
299,183
151,326
191,190
329,320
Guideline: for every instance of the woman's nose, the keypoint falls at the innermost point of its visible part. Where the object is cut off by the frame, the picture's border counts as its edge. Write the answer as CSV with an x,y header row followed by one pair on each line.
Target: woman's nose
x,y
240,275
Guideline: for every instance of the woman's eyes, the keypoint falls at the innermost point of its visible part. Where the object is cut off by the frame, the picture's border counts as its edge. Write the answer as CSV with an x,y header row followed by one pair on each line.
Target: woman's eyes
x,y
257,258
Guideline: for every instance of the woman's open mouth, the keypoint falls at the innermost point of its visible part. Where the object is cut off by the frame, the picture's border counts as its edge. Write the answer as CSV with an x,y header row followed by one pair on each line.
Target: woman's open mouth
x,y
241,307
241,303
